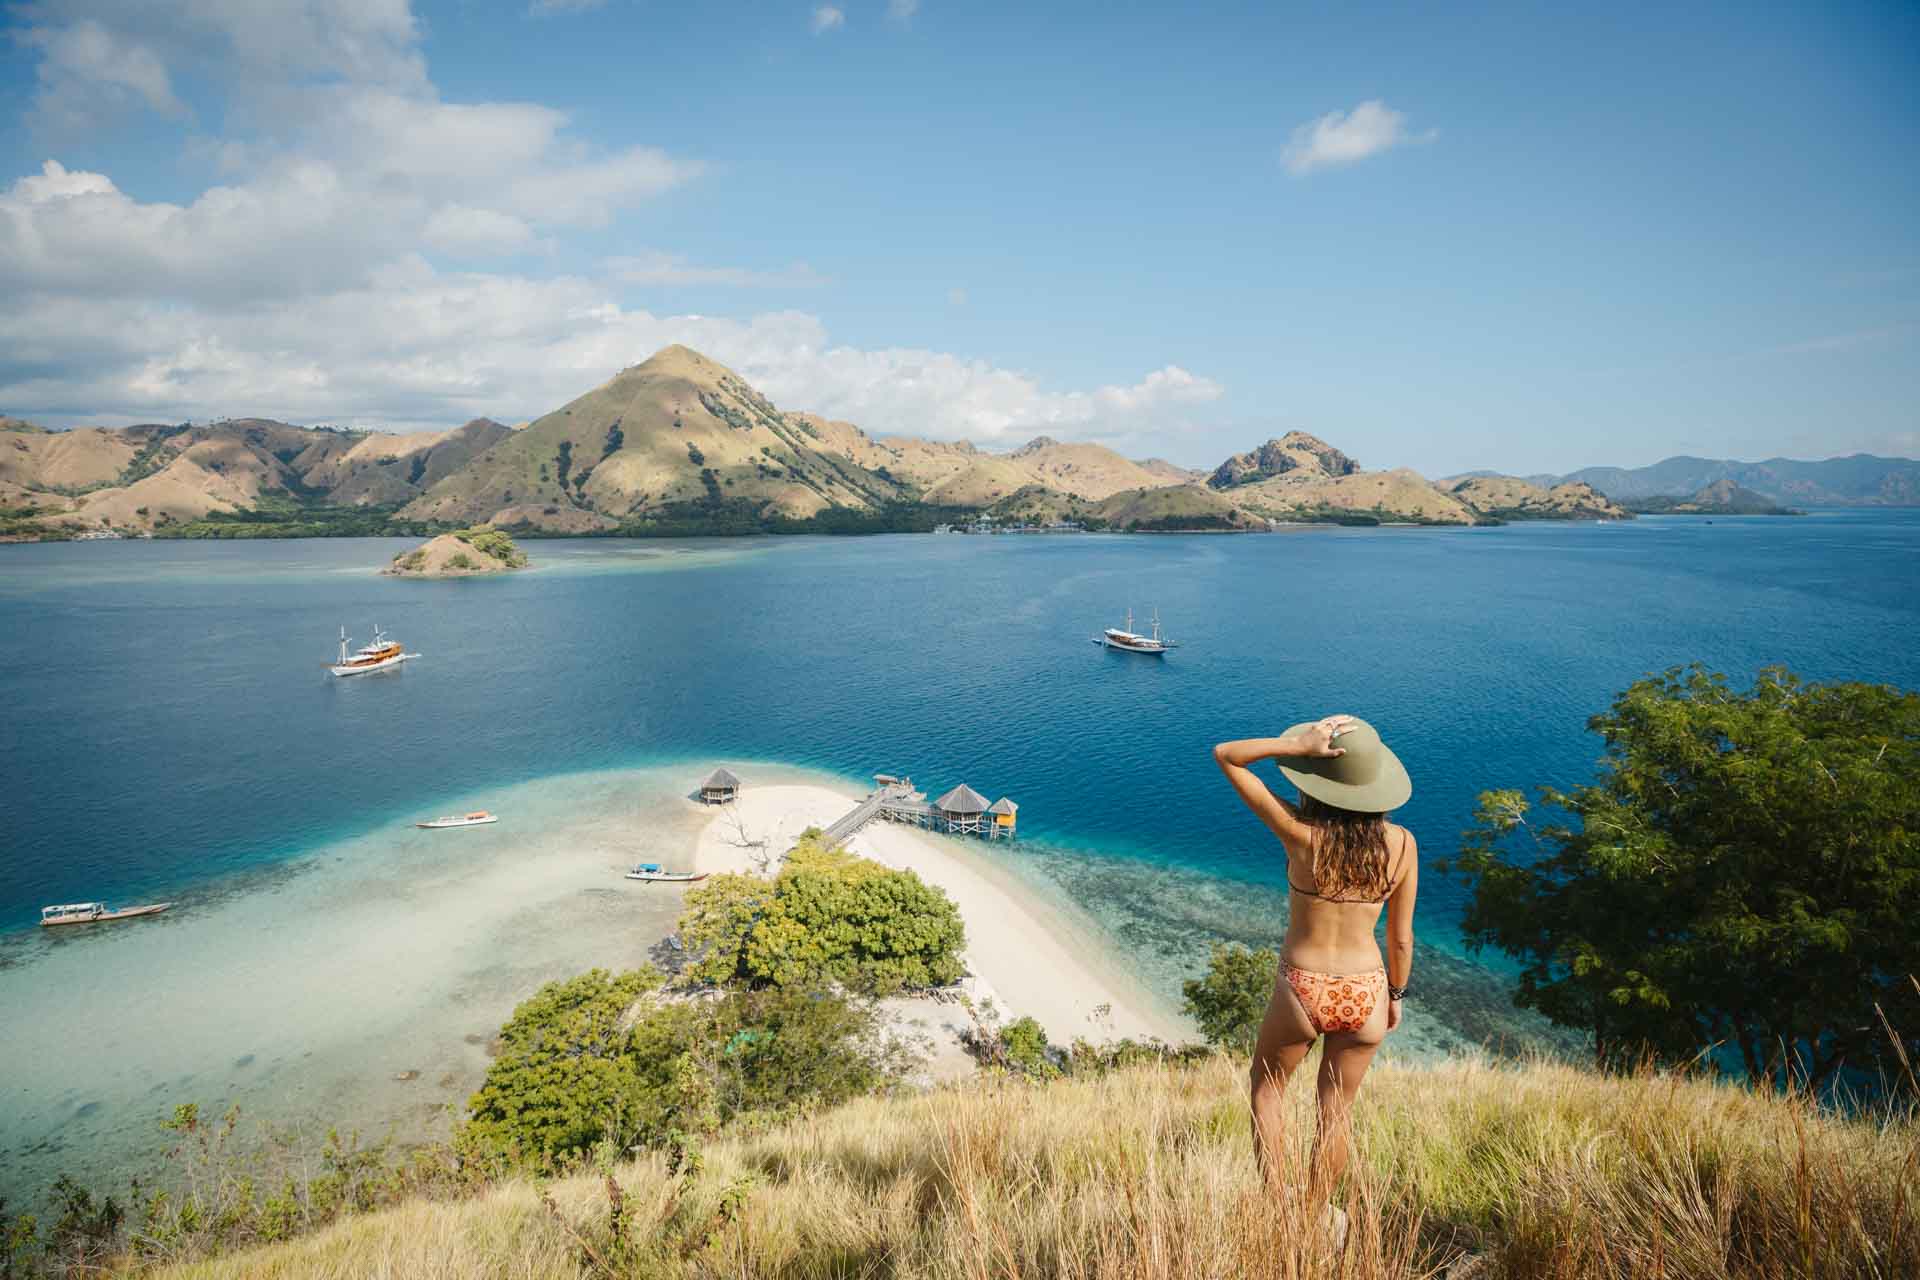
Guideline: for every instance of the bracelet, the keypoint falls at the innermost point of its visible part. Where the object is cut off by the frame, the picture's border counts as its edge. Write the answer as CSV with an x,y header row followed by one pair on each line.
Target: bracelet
x,y
1396,993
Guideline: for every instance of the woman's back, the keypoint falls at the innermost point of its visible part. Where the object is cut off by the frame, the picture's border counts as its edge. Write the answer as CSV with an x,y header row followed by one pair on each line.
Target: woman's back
x,y
1333,929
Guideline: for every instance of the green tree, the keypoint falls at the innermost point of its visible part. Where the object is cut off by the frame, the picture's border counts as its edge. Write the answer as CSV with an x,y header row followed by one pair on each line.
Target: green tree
x,y
829,917
1744,870
565,1075
594,1063
1230,1001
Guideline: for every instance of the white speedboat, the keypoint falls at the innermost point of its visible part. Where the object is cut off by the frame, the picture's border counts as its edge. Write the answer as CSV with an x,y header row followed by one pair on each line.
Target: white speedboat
x,y
479,818
1133,642
654,871
96,913
380,655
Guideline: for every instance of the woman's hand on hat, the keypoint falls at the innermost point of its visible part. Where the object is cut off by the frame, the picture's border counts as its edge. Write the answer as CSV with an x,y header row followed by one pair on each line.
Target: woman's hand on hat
x,y
1319,740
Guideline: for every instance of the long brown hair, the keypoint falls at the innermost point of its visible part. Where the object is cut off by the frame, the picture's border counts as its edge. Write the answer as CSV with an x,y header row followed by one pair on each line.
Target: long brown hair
x,y
1350,857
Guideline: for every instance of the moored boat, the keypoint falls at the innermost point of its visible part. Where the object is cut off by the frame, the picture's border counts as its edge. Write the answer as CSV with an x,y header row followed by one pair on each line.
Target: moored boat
x,y
1133,642
478,818
95,913
379,655
654,871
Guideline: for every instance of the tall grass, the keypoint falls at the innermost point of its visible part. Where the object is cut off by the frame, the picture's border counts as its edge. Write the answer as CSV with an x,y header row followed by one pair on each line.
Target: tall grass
x,y
1463,1169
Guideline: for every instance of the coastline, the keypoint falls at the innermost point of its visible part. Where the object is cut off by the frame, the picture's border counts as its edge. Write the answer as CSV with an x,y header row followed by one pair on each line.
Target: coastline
x,y
358,983
1029,956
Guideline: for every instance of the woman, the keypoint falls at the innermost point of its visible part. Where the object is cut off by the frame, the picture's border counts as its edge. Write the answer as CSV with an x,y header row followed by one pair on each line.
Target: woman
x,y
1345,861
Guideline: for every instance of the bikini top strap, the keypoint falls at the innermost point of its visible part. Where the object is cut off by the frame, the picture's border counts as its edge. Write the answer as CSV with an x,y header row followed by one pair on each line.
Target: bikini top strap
x,y
1393,882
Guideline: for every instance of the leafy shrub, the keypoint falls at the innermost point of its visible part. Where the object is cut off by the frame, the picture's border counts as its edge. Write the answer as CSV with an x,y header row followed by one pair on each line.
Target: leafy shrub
x,y
829,917
461,560
1230,1001
595,1063
493,543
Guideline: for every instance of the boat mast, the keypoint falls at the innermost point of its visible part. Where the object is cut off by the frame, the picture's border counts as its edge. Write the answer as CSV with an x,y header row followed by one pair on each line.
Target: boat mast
x,y
343,646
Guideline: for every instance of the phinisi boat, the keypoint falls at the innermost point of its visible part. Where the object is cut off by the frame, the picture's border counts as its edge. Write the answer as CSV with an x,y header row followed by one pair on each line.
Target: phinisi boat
x,y
478,818
1133,642
95,913
379,655
654,871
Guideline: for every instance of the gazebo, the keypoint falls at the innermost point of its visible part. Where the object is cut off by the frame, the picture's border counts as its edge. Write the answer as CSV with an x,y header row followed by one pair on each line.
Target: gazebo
x,y
720,787
962,809
1005,813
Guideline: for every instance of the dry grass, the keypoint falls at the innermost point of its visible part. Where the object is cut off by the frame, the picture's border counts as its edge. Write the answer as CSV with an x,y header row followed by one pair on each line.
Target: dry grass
x,y
1541,1170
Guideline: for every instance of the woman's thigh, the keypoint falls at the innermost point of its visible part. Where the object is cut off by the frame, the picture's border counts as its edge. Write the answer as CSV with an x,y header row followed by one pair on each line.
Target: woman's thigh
x,y
1286,1033
1349,1053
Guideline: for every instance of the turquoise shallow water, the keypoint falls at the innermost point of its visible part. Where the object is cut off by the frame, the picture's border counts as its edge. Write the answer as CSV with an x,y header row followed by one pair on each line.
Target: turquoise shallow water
x,y
168,731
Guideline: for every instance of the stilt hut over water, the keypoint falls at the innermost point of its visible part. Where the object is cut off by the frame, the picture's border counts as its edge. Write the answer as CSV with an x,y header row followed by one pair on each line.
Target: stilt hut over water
x,y
1005,813
721,787
962,809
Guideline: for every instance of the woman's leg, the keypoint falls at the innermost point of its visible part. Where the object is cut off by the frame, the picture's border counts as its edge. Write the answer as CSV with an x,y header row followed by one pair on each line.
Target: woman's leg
x,y
1286,1034
1342,1067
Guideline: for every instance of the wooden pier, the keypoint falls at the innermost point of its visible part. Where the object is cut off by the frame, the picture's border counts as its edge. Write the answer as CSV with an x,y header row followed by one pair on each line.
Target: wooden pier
x,y
895,800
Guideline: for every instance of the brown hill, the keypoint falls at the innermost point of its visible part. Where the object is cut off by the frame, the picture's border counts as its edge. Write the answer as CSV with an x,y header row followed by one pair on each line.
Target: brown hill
x,y
459,555
679,432
1174,507
1511,498
1294,452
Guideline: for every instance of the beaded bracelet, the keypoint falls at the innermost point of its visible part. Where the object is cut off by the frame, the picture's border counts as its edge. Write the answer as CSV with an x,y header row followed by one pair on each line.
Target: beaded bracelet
x,y
1396,993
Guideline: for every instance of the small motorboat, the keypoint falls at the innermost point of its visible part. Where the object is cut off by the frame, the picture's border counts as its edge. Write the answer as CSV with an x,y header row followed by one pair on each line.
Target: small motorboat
x,y
654,871
96,913
478,818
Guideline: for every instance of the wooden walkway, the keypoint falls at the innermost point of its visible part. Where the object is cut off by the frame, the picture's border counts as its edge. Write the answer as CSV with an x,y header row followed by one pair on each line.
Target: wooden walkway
x,y
894,801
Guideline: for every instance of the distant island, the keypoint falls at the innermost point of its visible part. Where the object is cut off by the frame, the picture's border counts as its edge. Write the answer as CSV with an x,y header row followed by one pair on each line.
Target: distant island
x,y
1721,498
682,445
459,555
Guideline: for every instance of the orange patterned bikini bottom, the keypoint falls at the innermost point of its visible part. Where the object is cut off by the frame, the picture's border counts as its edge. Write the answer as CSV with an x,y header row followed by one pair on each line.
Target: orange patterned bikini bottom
x,y
1337,1001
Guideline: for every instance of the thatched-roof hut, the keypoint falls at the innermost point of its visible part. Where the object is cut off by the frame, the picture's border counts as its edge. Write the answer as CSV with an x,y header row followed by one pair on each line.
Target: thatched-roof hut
x,y
1005,813
720,787
961,808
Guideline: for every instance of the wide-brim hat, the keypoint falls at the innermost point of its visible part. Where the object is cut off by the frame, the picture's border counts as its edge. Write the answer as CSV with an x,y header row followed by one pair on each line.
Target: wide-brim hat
x,y
1369,778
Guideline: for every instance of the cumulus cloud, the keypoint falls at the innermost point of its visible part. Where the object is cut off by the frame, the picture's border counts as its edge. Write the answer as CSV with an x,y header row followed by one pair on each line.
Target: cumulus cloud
x,y
1346,137
826,18
413,346
88,75
317,280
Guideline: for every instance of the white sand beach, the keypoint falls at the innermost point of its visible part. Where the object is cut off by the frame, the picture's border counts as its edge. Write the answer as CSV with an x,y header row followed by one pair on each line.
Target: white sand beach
x,y
1022,953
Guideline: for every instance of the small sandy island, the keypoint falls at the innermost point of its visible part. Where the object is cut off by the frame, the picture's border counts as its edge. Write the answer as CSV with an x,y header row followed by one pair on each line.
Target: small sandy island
x,y
1021,954
459,555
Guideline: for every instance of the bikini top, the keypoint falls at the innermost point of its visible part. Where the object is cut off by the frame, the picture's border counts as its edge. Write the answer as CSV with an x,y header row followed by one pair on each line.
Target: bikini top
x,y
1392,882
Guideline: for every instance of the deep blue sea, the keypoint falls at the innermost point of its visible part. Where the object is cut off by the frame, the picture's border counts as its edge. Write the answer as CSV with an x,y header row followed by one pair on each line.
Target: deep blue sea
x,y
167,721
168,731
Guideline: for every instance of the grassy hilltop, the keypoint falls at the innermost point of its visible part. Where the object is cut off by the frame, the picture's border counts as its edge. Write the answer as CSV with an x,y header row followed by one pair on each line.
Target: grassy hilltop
x,y
1465,1169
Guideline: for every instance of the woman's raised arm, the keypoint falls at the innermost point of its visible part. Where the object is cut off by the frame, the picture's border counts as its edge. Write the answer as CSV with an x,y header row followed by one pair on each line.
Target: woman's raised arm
x,y
1234,759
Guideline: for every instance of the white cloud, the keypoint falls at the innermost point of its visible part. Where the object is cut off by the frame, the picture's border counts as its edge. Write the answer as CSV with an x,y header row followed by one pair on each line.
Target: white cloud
x,y
902,10
411,346
89,74
300,286
654,267
826,18
1345,137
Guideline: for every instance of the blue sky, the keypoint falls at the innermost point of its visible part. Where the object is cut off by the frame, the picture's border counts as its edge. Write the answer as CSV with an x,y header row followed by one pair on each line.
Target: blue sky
x,y
1510,237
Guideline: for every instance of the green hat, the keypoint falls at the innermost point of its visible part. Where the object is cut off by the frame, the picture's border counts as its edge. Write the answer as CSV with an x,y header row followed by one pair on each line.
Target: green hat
x,y
1369,778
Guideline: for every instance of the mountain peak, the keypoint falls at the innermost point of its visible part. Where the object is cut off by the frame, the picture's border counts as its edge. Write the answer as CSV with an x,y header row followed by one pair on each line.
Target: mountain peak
x,y
1035,445
1295,451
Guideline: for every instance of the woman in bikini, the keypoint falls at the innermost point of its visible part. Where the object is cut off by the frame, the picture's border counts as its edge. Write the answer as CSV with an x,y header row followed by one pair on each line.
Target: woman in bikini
x,y
1345,862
